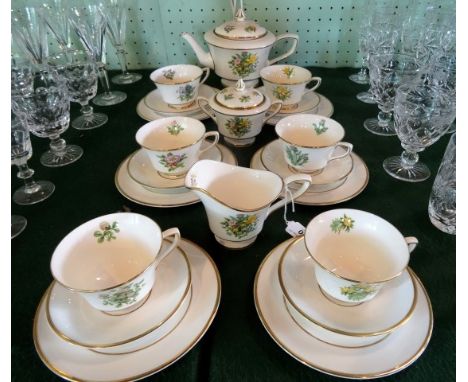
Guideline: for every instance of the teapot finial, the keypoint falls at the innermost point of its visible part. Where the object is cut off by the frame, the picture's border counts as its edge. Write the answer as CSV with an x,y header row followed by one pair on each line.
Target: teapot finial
x,y
240,85
240,14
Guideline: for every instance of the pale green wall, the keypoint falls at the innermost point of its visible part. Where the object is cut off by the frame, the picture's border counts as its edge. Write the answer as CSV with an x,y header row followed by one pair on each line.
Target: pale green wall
x,y
328,29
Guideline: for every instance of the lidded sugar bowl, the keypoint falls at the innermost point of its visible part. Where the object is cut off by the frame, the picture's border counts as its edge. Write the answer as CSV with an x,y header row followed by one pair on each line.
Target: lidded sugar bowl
x,y
239,49
240,112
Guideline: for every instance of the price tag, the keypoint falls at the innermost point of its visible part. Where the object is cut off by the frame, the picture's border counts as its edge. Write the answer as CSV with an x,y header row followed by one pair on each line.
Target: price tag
x,y
295,228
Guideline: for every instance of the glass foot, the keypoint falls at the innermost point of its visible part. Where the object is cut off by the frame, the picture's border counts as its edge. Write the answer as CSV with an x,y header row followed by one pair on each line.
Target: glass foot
x,y
372,125
127,78
452,128
111,98
18,224
89,122
416,173
39,193
359,79
70,154
366,97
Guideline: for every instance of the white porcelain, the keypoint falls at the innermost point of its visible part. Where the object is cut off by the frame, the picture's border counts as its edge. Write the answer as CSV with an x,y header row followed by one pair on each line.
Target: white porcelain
x,y
354,326
173,144
237,200
73,319
144,112
356,253
111,260
324,108
309,141
308,103
239,48
179,84
141,170
77,363
332,176
287,83
239,112
393,354
136,193
355,183
154,101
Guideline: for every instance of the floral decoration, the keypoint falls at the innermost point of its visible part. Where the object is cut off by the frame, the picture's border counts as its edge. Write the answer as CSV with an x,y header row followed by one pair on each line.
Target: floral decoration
x,y
186,93
124,295
345,223
243,64
240,225
172,162
107,232
320,128
288,71
282,92
238,126
296,156
174,128
169,74
358,292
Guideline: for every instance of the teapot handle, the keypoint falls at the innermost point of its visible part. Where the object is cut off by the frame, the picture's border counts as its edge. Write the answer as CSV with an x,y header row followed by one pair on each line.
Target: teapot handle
x,y
209,112
306,182
272,114
291,50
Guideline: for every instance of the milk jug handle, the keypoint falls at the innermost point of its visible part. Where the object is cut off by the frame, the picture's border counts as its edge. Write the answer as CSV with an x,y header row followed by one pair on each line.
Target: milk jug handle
x,y
412,243
306,182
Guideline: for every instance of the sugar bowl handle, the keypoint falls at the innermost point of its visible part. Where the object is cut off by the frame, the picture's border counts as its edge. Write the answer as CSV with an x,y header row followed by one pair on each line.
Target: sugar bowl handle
x,y
204,106
279,105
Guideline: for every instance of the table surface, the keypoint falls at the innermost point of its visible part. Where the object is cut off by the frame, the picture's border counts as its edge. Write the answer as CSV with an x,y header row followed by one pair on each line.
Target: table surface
x,y
236,346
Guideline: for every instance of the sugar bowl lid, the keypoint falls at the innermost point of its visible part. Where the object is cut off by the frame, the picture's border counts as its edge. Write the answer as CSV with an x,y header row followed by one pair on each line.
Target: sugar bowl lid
x,y
240,28
239,97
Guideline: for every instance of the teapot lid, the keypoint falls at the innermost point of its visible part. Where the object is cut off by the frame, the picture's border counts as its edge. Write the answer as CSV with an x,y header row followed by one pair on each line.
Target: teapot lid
x,y
240,28
240,97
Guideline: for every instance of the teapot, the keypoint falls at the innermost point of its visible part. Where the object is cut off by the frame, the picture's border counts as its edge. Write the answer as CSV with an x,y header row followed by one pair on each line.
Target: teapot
x,y
238,200
239,49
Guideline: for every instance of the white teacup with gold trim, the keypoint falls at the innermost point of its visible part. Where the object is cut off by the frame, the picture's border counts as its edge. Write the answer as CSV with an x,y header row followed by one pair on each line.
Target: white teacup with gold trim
x,y
179,84
111,260
355,253
173,144
309,141
287,83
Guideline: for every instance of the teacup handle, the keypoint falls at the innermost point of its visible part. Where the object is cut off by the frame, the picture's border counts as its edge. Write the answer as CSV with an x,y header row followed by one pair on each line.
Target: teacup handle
x,y
165,234
267,117
291,50
207,70
347,146
319,81
214,134
412,243
306,182
209,111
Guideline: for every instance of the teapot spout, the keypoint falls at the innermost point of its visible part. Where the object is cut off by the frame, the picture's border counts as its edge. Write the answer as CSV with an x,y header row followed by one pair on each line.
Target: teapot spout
x,y
204,58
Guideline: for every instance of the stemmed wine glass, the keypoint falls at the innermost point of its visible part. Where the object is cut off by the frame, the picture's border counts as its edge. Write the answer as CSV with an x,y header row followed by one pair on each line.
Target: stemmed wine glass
x,y
387,72
21,151
423,113
116,14
54,13
45,108
89,24
362,77
79,70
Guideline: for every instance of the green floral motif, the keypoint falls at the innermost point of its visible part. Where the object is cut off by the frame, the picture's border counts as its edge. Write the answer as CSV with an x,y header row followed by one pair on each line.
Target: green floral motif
x,y
169,74
174,128
358,292
345,223
124,295
282,92
228,28
107,232
250,28
172,162
238,126
243,64
288,71
296,156
244,98
228,97
186,93
240,225
320,128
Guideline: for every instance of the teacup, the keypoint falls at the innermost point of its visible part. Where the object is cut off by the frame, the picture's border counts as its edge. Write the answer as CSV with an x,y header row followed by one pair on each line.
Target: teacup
x,y
287,83
309,141
179,84
174,144
355,253
111,260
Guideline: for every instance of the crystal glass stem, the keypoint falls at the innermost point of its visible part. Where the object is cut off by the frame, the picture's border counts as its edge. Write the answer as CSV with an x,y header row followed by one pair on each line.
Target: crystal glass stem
x,y
384,118
123,64
104,79
26,174
109,97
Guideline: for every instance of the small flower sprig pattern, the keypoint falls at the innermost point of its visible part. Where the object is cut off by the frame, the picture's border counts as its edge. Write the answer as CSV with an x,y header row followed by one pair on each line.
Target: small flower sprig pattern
x,y
107,232
344,223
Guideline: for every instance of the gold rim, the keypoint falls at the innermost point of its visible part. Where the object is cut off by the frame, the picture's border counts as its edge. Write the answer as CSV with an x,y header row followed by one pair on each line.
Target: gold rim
x,y
336,373
201,115
175,148
287,83
122,342
179,83
310,147
336,330
68,377
240,38
263,101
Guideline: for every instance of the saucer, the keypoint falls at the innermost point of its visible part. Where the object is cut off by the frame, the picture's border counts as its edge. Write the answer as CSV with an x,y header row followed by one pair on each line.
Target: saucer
x,y
324,108
77,363
77,322
136,193
141,170
308,102
154,101
395,353
149,115
355,183
331,177
360,324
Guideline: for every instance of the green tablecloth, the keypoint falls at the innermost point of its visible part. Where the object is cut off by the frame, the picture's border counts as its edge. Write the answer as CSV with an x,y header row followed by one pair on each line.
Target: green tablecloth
x,y
236,347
